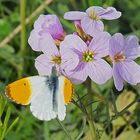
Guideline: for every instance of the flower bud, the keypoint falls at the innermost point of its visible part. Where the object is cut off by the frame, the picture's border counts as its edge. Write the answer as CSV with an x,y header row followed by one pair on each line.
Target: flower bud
x,y
51,24
46,24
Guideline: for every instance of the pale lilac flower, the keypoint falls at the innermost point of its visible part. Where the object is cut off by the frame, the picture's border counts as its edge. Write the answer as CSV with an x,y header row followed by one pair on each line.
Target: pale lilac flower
x,y
91,19
123,52
90,58
62,59
45,24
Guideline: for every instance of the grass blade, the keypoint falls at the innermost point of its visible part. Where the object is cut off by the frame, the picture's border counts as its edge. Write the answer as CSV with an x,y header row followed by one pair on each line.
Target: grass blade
x,y
4,126
12,125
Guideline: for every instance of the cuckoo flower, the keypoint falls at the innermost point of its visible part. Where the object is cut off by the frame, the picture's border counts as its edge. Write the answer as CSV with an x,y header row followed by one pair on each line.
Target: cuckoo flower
x,y
61,59
45,24
91,19
90,58
123,52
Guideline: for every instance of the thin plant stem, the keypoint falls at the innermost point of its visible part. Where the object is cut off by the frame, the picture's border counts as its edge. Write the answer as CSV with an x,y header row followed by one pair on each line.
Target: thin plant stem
x,y
82,106
75,103
82,97
46,131
65,130
23,25
89,110
123,110
83,128
22,34
12,125
114,103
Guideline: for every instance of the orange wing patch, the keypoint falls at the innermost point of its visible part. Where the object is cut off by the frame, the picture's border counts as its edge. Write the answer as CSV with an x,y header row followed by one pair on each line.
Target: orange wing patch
x,y
68,91
20,91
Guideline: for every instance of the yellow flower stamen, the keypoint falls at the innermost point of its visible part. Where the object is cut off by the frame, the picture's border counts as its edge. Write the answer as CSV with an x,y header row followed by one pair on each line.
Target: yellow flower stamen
x,y
92,15
88,56
56,60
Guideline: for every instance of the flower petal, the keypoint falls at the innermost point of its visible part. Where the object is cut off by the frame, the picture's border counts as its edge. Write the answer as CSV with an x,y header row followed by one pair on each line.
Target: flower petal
x,y
38,23
69,60
73,42
130,71
109,13
74,15
96,9
132,47
47,45
118,80
100,44
116,44
43,65
33,40
90,26
80,75
99,71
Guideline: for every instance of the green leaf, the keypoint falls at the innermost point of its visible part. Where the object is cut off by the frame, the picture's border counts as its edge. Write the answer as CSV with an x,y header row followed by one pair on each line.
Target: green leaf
x,y
3,102
12,125
105,137
125,99
97,2
5,28
129,135
5,124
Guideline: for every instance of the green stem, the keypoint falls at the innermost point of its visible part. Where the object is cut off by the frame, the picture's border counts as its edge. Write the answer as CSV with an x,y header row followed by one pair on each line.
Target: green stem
x,y
46,131
122,111
23,30
90,112
65,130
92,130
114,103
23,24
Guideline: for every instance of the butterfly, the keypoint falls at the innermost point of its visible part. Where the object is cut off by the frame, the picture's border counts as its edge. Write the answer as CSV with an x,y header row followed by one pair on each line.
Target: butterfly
x,y
47,95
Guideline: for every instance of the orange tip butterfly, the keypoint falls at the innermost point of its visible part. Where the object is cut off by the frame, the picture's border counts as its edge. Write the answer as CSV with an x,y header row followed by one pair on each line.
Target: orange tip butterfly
x,y
47,95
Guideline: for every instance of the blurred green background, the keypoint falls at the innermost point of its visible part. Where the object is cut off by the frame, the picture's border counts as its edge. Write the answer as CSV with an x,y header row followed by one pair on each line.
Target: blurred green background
x,y
17,61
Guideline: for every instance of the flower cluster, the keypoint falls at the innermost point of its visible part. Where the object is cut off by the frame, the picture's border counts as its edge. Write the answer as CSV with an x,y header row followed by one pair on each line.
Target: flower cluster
x,y
81,54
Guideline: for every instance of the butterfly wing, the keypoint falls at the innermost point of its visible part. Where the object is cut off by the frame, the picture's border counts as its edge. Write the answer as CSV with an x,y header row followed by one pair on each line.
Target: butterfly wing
x,y
64,96
47,95
19,91
42,99
34,90
61,108
55,92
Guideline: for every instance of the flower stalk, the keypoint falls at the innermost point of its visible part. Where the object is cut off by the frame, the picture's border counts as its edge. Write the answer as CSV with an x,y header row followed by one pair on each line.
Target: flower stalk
x,y
23,24
23,40
90,112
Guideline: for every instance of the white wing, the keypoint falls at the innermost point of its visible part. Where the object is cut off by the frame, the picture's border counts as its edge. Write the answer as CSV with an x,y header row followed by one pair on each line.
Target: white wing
x,y
42,99
60,100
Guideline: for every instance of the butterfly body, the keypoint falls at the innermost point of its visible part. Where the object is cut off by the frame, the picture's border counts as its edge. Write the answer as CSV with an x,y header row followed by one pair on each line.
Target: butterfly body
x,y
47,95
